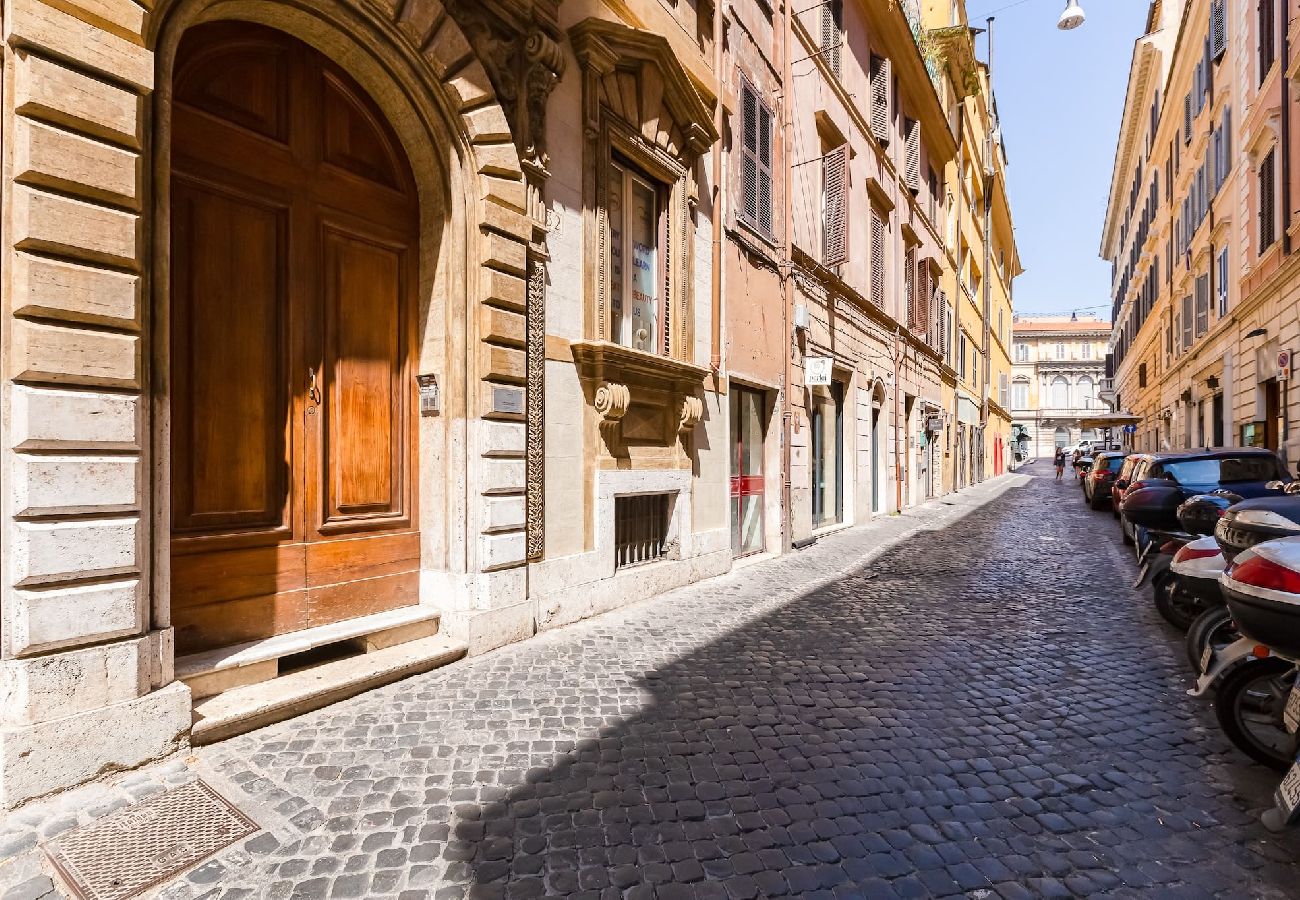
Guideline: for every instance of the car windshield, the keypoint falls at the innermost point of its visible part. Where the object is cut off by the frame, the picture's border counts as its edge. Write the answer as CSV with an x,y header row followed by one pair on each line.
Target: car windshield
x,y
1222,471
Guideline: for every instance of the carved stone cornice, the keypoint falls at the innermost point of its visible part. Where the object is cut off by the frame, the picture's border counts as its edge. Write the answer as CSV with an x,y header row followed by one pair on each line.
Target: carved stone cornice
x,y
603,47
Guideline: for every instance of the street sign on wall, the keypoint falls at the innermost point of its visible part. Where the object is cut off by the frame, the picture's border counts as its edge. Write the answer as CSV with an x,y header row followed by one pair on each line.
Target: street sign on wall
x,y
816,371
1283,365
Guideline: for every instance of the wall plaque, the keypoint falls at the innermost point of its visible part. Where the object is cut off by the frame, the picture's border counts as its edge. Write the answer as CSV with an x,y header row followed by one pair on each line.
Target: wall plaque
x,y
508,400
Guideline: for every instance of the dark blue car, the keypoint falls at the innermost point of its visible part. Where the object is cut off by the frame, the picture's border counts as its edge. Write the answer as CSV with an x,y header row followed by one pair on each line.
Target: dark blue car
x,y
1242,470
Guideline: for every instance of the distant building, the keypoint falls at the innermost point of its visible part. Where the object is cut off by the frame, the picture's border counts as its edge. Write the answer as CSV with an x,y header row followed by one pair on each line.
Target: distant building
x,y
1057,365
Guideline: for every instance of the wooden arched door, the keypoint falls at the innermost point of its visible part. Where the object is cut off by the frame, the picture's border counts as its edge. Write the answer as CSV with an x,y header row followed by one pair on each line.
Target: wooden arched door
x,y
293,276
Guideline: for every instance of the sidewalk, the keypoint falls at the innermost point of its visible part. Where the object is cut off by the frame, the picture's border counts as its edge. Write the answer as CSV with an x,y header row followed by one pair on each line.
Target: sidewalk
x,y
288,778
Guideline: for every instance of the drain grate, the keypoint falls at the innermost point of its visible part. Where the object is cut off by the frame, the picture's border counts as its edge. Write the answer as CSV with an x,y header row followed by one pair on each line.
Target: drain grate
x,y
147,843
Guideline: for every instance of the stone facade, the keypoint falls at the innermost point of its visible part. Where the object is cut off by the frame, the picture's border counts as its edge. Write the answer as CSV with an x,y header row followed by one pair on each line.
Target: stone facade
x,y
1204,293
576,369
1058,369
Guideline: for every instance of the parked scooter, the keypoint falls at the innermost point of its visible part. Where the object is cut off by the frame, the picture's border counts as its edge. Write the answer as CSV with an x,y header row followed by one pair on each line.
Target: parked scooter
x,y
1258,703
1190,586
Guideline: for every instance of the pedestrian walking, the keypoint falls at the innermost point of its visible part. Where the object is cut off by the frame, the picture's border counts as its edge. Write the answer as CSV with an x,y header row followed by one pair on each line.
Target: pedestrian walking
x,y
1060,462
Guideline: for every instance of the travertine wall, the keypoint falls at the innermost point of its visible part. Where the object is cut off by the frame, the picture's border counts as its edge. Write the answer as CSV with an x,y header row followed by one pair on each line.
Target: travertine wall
x,y
86,641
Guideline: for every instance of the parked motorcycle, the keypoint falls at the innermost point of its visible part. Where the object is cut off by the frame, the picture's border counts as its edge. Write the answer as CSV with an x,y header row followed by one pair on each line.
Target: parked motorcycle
x,y
1190,585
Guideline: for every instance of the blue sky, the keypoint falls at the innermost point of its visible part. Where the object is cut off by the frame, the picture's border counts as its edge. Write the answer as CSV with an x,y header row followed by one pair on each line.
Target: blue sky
x,y
1060,95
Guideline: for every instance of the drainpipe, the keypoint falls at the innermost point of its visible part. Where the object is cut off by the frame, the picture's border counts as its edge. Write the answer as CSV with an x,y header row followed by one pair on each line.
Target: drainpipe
x,y
715,359
787,279
1286,133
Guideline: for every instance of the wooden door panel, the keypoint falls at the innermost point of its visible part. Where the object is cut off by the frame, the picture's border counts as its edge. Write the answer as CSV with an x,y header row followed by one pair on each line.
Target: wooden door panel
x,y
350,599
239,620
243,80
365,413
338,561
229,402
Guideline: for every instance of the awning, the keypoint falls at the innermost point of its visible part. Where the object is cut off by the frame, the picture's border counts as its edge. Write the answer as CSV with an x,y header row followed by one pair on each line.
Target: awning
x,y
1110,420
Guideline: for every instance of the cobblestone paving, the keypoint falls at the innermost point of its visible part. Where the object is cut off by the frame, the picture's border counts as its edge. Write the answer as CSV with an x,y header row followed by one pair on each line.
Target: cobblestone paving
x,y
982,710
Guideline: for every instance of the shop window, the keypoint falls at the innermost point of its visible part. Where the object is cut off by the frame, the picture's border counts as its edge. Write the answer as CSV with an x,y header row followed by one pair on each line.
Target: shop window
x,y
635,266
827,420
747,433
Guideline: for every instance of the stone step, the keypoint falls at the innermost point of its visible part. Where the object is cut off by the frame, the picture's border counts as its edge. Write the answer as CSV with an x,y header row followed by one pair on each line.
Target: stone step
x,y
214,671
242,709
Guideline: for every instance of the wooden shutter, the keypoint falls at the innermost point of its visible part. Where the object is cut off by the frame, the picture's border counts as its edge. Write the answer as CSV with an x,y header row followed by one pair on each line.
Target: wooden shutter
x,y
877,259
1267,204
880,94
832,28
1188,322
1266,38
910,287
1202,304
1187,119
1004,389
912,155
1218,29
756,160
835,192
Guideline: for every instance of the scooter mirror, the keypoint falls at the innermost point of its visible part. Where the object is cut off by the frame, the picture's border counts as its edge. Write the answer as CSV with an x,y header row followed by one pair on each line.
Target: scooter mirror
x,y
1274,485
1292,488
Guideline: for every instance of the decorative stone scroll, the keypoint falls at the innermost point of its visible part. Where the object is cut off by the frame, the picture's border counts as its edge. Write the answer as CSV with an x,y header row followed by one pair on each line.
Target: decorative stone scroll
x,y
612,401
692,413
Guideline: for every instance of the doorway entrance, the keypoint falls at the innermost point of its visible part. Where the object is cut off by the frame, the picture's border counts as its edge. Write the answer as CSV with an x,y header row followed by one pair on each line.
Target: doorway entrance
x,y
827,415
293,277
748,428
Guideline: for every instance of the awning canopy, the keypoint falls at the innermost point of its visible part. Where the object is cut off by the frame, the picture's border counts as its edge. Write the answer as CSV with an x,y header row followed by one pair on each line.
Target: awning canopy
x,y
1110,420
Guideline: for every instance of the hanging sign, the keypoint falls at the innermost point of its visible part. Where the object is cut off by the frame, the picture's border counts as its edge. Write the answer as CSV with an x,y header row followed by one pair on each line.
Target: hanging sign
x,y
816,371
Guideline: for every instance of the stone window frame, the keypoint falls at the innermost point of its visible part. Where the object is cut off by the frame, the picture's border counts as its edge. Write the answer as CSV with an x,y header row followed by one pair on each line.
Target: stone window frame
x,y
667,152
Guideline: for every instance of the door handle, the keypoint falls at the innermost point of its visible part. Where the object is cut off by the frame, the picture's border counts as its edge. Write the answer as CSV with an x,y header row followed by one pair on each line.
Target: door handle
x,y
313,392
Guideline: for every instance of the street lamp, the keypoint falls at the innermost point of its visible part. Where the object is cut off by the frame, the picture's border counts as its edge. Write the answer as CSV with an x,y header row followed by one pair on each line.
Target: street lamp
x,y
1072,17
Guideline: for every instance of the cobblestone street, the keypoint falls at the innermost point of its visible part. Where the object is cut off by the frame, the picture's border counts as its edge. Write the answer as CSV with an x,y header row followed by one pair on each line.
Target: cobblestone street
x,y
985,709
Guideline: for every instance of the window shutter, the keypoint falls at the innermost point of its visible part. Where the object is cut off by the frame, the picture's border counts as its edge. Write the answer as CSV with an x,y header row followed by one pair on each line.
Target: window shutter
x,y
835,188
755,160
912,155
1265,38
749,153
1223,282
1218,29
910,287
1267,215
880,93
832,17
1188,323
1187,119
765,122
1004,389
1202,304
877,259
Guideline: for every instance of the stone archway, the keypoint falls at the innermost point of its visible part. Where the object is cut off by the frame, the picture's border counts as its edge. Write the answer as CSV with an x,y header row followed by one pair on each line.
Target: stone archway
x,y
88,271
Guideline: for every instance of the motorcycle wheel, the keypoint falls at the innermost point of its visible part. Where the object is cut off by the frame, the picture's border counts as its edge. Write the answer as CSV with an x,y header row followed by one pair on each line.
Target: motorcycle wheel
x,y
1249,705
1124,532
1178,607
1212,628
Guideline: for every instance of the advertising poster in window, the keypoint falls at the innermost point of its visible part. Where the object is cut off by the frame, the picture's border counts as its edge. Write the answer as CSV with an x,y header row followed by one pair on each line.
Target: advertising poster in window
x,y
645,268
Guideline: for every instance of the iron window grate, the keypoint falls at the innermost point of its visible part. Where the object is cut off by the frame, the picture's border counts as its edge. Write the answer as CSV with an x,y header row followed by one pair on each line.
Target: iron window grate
x,y
640,529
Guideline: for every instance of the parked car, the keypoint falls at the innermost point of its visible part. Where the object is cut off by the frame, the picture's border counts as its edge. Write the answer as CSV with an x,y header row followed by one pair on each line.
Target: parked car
x,y
1122,481
1097,483
1244,470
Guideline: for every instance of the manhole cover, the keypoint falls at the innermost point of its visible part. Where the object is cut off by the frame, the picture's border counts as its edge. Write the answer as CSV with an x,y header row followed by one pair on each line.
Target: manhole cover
x,y
147,843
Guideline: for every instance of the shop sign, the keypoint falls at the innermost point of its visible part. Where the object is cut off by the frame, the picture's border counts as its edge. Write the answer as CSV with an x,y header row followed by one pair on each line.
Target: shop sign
x,y
816,371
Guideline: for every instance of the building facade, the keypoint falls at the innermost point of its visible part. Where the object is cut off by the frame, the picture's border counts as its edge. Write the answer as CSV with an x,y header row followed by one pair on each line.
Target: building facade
x,y
364,335
1057,370
1205,287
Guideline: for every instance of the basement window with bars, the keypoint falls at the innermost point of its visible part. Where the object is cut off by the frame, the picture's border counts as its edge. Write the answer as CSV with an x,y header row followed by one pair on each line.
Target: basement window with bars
x,y
755,160
640,529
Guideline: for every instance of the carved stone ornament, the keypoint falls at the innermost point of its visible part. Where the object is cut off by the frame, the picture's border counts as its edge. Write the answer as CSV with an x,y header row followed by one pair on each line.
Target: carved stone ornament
x,y
612,401
535,435
692,413
518,46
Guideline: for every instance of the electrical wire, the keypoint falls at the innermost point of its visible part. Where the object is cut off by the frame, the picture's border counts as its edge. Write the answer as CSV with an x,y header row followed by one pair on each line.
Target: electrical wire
x,y
1008,6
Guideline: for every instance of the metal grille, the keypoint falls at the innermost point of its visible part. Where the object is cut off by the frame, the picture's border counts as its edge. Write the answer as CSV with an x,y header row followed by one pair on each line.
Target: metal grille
x,y
640,529
148,843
